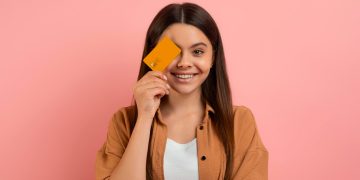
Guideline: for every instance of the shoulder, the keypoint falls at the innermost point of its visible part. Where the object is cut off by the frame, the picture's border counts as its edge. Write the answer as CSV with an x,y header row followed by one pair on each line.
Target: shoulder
x,y
243,115
244,121
122,119
241,109
125,113
245,129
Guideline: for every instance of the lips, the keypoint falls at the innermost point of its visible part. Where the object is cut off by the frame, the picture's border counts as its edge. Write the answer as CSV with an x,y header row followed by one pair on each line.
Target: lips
x,y
184,75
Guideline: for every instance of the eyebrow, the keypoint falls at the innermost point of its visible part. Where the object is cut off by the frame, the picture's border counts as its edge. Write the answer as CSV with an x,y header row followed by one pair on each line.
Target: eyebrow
x,y
197,44
194,45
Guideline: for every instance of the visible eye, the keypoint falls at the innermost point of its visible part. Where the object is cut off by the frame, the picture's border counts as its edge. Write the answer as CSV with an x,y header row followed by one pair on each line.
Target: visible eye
x,y
198,52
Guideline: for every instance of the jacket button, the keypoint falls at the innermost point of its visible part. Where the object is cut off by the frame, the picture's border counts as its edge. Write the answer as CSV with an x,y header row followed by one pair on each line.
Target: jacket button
x,y
201,127
203,158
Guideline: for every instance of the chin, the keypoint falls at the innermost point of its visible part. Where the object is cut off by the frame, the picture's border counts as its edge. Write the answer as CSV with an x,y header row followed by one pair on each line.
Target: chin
x,y
184,91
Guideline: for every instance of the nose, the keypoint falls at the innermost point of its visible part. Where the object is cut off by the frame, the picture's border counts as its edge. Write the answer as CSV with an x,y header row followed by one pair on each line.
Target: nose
x,y
184,61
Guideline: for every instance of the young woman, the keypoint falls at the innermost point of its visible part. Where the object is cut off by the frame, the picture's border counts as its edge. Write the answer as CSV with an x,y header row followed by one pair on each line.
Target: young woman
x,y
183,124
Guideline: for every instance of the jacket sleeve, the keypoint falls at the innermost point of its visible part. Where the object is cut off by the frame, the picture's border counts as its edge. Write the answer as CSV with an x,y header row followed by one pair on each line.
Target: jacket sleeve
x,y
112,150
250,156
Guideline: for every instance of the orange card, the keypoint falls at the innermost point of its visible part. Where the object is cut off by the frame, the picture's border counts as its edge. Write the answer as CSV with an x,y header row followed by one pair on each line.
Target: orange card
x,y
162,55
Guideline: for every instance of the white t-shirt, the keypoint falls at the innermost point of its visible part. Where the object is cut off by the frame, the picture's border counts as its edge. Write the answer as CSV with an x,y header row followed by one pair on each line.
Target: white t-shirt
x,y
180,160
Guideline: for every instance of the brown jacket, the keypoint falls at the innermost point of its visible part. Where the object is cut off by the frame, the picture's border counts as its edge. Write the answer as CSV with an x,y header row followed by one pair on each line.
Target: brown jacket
x,y
250,156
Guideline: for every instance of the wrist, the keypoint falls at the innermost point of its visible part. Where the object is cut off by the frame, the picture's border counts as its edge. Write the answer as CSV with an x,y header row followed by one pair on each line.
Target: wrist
x,y
144,121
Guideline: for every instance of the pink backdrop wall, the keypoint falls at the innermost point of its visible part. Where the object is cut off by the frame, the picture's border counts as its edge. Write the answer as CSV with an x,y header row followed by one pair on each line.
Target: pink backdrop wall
x,y
66,66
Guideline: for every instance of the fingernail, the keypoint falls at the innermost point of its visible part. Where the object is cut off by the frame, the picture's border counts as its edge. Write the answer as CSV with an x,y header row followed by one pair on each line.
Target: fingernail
x,y
165,77
168,86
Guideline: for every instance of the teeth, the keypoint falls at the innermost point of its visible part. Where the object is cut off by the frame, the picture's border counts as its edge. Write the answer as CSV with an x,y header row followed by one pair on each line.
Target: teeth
x,y
184,76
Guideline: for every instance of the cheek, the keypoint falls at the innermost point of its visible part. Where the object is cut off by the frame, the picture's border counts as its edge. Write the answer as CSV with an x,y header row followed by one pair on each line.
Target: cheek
x,y
204,65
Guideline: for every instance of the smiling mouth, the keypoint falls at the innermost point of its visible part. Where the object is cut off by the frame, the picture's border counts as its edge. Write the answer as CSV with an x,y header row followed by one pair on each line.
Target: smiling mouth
x,y
184,76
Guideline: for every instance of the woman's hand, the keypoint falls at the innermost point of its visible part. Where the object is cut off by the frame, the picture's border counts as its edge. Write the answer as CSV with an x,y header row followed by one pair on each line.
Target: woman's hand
x,y
147,93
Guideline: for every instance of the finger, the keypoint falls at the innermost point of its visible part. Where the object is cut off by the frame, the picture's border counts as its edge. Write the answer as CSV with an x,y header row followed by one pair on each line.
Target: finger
x,y
157,74
157,91
153,84
151,78
156,82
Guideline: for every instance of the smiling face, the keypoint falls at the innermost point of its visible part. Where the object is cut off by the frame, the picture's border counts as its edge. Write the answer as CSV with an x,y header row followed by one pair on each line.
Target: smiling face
x,y
190,69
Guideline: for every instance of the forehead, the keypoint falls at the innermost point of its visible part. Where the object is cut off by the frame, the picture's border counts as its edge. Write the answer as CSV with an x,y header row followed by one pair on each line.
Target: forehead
x,y
185,35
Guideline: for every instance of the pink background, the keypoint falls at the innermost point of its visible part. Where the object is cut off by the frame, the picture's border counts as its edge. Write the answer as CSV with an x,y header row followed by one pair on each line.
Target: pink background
x,y
67,66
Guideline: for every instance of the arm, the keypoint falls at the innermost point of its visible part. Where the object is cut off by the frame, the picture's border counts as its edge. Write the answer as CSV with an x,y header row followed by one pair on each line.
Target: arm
x,y
251,156
133,161
124,155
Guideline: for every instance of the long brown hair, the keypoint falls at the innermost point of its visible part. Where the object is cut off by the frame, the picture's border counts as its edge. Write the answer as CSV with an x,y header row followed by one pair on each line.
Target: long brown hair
x,y
215,89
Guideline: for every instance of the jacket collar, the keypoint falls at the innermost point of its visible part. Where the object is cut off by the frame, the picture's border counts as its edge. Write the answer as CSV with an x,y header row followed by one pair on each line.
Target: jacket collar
x,y
208,108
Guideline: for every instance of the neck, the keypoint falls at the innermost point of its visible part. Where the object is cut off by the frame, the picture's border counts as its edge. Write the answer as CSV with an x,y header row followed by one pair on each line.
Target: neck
x,y
182,103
